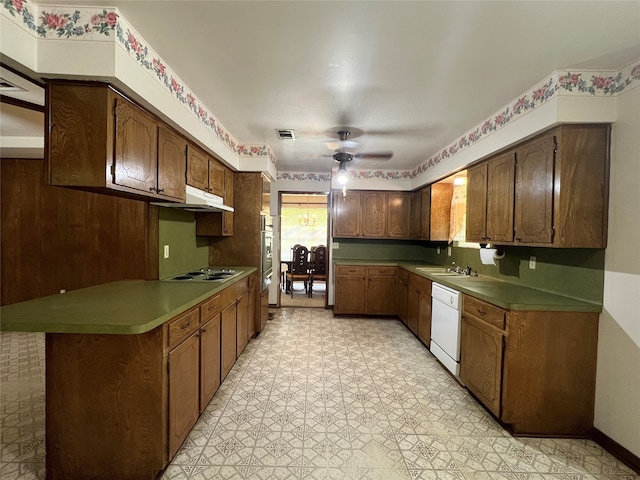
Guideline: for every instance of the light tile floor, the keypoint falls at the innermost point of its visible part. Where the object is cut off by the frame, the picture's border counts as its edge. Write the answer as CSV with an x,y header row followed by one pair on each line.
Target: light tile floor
x,y
318,397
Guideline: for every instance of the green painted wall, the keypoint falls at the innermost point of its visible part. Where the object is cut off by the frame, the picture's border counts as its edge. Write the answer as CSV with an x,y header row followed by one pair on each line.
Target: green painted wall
x,y
352,248
186,251
577,273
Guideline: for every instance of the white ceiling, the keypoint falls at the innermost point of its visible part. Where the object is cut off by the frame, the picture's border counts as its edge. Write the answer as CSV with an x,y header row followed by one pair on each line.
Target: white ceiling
x,y
412,76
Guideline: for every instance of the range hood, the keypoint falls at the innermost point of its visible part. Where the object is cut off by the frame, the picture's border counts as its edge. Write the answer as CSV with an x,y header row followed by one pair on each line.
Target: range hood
x,y
197,200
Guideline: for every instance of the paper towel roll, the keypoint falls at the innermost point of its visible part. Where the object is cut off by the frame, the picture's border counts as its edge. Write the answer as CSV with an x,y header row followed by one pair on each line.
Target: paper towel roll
x,y
487,256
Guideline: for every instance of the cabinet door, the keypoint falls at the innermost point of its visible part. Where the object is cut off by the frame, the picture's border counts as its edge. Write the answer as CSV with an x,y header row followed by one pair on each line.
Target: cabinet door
x,y
197,168
402,290
413,303
534,191
477,203
172,164
209,360
425,213
242,319
346,214
481,354
228,344
441,195
350,294
416,200
216,178
500,198
381,295
374,214
136,143
399,215
424,317
184,390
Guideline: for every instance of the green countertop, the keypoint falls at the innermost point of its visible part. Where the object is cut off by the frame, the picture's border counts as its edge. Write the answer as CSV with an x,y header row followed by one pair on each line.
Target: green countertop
x,y
507,295
124,307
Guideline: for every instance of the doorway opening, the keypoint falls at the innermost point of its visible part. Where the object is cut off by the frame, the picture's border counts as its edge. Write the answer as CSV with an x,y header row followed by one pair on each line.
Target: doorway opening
x,y
304,221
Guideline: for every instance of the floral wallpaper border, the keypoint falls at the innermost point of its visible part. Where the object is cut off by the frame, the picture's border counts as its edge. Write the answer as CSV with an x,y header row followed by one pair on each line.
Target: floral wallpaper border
x,y
304,176
559,83
106,24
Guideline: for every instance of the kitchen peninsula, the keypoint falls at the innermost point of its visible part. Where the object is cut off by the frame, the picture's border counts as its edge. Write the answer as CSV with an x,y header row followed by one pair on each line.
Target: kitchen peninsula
x,y
130,365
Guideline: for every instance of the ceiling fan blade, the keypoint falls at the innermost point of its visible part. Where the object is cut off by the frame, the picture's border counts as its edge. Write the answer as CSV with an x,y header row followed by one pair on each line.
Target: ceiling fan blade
x,y
345,144
375,155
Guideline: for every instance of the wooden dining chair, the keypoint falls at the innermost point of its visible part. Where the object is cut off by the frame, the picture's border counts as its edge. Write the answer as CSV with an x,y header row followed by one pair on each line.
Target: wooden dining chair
x,y
299,269
318,268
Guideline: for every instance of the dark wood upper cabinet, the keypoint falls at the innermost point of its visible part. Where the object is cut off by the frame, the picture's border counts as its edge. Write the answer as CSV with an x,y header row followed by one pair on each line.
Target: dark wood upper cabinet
x,y
346,214
197,168
440,211
399,215
205,172
549,191
98,140
416,211
171,163
477,203
500,192
425,213
534,191
136,155
374,214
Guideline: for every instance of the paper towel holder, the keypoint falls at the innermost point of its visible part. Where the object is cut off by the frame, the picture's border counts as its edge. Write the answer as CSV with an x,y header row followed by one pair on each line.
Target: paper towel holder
x,y
499,251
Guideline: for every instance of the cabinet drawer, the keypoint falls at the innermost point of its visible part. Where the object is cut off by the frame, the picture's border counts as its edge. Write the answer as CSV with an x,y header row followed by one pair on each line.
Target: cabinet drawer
x,y
420,283
485,311
181,327
209,308
350,270
381,271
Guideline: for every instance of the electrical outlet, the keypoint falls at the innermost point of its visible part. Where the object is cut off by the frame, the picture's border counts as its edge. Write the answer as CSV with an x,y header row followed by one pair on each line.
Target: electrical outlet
x,y
532,262
438,250
166,251
335,245
448,251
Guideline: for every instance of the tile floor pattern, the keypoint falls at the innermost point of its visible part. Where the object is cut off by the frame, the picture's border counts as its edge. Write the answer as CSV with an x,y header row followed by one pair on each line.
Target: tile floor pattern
x,y
318,397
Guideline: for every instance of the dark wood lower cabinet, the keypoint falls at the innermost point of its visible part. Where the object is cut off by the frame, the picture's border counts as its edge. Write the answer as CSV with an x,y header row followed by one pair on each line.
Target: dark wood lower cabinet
x,y
534,370
481,369
209,361
228,343
120,406
184,390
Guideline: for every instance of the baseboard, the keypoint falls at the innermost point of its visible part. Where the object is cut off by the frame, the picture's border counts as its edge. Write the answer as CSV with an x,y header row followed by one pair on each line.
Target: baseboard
x,y
617,450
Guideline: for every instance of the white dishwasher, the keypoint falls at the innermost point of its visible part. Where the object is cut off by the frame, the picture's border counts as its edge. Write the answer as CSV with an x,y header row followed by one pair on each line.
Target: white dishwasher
x,y
445,326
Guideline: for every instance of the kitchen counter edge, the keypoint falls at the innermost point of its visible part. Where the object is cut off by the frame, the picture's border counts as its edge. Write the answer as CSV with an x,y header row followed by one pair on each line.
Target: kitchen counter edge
x,y
142,305
509,296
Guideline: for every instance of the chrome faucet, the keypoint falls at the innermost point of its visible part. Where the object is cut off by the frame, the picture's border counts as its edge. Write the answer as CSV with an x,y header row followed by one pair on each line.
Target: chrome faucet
x,y
457,268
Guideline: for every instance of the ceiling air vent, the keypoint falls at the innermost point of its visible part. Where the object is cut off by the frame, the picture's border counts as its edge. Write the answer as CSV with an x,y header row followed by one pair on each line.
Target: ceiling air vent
x,y
7,86
285,134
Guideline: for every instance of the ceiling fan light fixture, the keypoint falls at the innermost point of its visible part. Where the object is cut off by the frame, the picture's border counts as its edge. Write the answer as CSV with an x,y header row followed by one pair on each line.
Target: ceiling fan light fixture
x,y
342,174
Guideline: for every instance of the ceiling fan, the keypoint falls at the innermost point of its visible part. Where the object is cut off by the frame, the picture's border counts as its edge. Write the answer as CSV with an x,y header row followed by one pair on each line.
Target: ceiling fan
x,y
344,154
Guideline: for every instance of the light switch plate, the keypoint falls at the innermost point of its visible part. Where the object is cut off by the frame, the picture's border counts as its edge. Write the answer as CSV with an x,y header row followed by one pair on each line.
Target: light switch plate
x,y
438,250
166,251
532,262
448,251
335,245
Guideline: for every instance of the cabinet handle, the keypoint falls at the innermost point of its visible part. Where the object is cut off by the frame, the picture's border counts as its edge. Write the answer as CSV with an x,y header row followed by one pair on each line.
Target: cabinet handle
x,y
481,312
152,189
184,326
518,239
487,238
203,330
160,190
